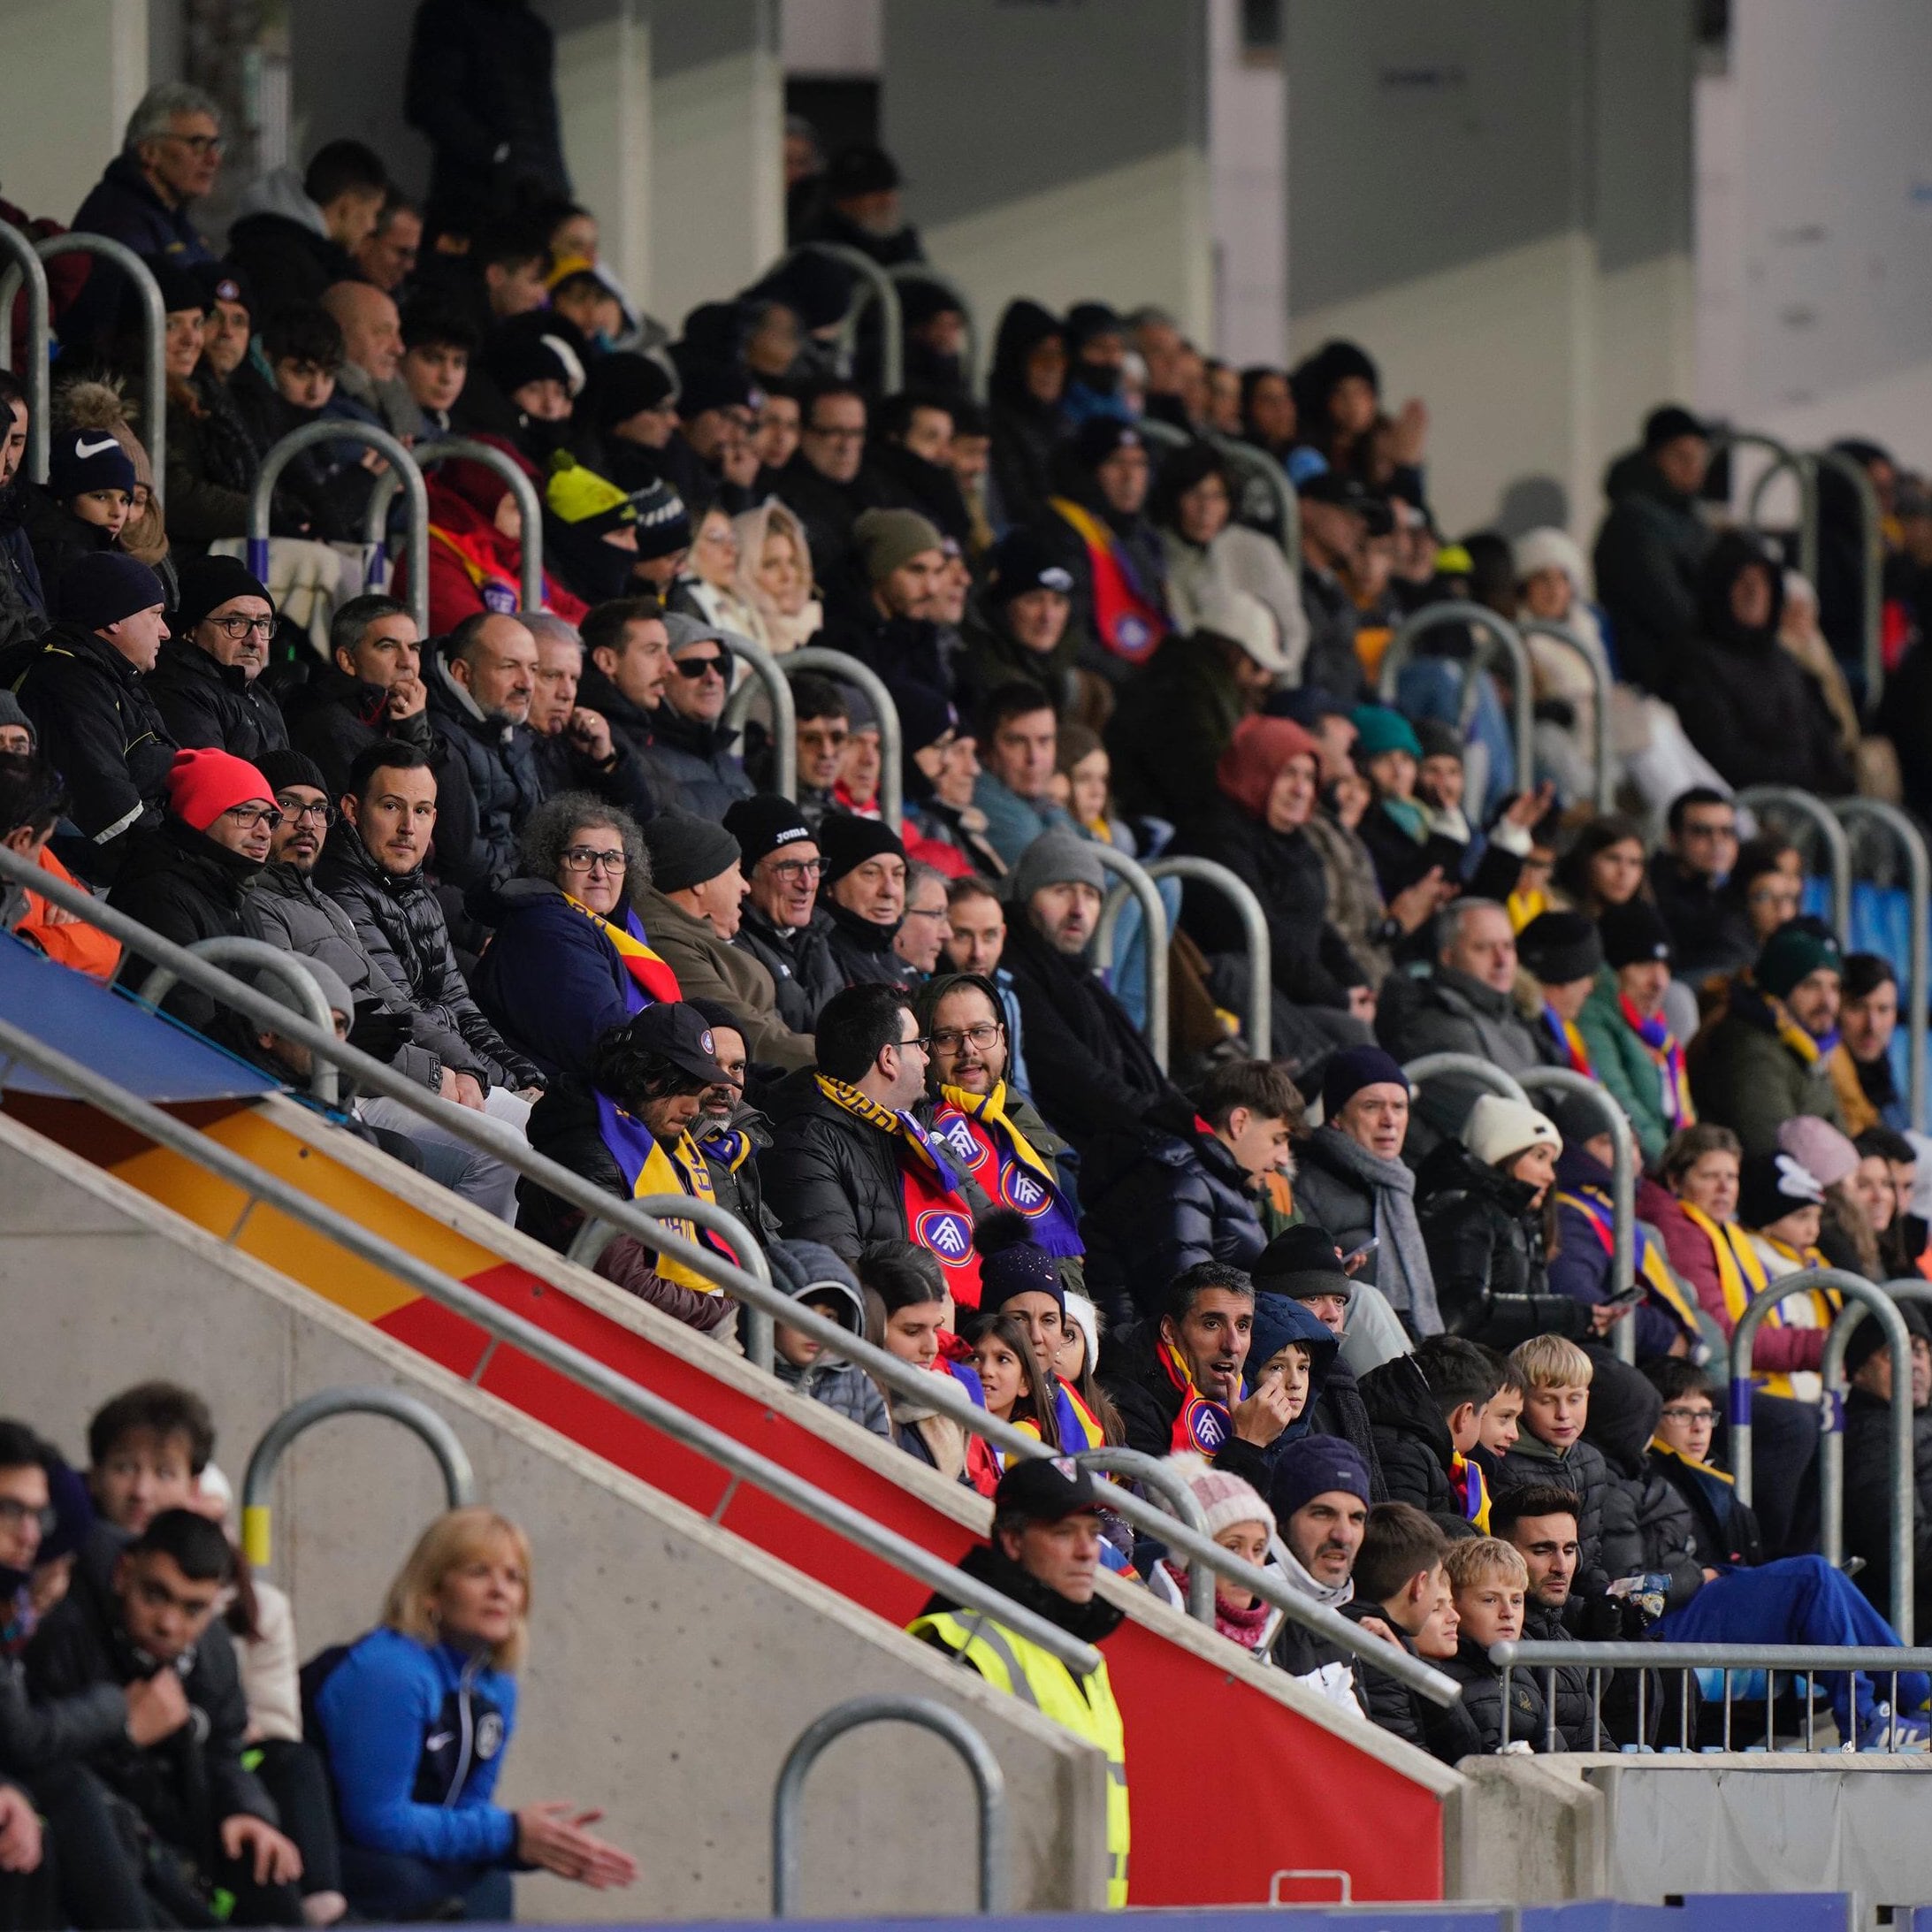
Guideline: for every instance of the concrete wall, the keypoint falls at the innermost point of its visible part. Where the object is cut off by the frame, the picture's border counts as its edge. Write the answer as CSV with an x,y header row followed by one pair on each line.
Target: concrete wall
x,y
73,76
1046,156
671,1666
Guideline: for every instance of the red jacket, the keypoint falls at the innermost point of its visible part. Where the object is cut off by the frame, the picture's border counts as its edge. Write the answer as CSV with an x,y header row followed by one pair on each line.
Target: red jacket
x,y
474,567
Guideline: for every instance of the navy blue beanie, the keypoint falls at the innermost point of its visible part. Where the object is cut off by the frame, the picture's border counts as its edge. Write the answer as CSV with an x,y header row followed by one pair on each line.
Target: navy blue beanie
x,y
104,586
1311,1467
1010,1263
1353,1069
84,460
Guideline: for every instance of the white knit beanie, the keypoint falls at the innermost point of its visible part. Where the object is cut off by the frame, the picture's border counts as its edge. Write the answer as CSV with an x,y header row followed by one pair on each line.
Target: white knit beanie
x,y
1225,1499
1497,1128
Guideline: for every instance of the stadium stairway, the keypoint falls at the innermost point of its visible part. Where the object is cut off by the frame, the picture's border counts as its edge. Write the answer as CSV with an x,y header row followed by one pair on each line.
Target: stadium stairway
x,y
1245,1789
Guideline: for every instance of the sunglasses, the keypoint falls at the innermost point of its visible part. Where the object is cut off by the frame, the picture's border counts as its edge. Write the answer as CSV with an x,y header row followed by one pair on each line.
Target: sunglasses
x,y
696,668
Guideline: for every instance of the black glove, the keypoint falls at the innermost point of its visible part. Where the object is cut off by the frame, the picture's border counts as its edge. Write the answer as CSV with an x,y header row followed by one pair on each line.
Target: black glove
x,y
379,1034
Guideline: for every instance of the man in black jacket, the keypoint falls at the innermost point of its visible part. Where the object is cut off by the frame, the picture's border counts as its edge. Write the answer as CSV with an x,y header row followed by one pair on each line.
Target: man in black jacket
x,y
862,895
1707,927
690,759
844,1167
1867,1459
627,664
575,747
1319,1491
1092,1072
96,724
1176,1377
480,686
206,683
782,927
179,1762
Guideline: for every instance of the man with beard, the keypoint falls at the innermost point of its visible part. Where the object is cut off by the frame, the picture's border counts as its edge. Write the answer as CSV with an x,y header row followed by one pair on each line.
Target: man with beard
x,y
1320,1496
781,925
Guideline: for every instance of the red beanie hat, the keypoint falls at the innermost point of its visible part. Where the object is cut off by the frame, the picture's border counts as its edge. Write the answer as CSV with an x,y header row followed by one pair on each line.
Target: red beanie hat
x,y
203,784
1259,748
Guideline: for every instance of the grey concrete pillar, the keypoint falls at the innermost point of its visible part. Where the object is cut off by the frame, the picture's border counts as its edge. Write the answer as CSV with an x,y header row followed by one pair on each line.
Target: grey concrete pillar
x,y
73,75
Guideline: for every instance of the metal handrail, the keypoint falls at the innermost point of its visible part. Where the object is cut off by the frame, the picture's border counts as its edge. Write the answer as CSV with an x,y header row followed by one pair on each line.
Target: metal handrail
x,y
1782,457
1564,1079
989,1782
934,1392
1906,837
286,966
506,1326
281,453
970,362
29,267
876,285
1428,1067
1485,623
596,1234
529,510
442,1441
1135,880
848,669
154,316
1856,1288
1605,780
1259,465
1155,1477
1231,886
784,717
1818,815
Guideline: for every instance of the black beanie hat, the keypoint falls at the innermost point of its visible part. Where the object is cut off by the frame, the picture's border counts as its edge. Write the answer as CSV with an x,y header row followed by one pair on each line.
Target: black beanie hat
x,y
847,842
1299,1261
1559,947
1771,1185
1867,1338
686,849
516,358
102,586
663,520
1633,933
1099,436
1011,1263
207,584
180,286
622,384
283,767
1020,563
764,823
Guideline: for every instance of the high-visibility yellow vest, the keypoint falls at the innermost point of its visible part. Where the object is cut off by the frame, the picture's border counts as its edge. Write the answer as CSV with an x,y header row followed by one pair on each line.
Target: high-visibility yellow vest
x,y
1085,1706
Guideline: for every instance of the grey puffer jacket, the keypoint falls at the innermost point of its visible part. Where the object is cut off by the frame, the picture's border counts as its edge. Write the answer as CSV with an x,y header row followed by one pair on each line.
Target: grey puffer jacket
x,y
809,1272
1443,1011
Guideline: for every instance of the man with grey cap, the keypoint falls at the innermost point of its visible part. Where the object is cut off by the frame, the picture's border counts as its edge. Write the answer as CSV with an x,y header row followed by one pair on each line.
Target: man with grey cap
x,y
1092,1072
690,759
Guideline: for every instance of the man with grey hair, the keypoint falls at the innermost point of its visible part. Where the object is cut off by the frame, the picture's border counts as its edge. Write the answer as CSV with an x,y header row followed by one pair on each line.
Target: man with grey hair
x,y
574,746
1092,1072
169,158
1465,1003
923,928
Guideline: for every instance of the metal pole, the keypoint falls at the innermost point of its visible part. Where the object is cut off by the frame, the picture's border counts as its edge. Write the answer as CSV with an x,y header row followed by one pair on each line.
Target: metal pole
x,y
785,722
154,338
1134,877
1838,849
1855,1289
458,1480
1563,1080
1600,677
1257,464
1485,623
879,284
815,657
1872,564
373,1076
39,308
1162,1483
1783,456
1429,1066
1254,920
1831,1436
286,967
988,1782
530,509
1911,841
970,362
386,446
596,1234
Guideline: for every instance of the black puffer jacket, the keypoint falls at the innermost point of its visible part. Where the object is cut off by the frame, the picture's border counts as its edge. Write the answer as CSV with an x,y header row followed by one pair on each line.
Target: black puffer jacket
x,y
1339,1410
400,923
186,886
862,949
1599,1619
622,782
692,765
1448,1734
1412,1438
1482,1700
1312,962
1149,1404
1486,1251
1581,1470
1867,1497
1645,562
333,718
828,1175
1646,1526
207,703
802,969
500,761
1178,1198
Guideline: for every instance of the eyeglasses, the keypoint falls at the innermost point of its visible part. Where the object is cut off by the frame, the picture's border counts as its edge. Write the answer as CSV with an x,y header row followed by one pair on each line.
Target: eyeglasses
x,y
321,813
1692,829
836,436
13,1513
1689,1415
950,1039
249,816
236,628
696,668
198,144
797,871
922,1041
588,858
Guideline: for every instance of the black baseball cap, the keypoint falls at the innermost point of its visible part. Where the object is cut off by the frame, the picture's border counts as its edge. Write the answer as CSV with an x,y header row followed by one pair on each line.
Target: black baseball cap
x,y
1046,1489
681,1034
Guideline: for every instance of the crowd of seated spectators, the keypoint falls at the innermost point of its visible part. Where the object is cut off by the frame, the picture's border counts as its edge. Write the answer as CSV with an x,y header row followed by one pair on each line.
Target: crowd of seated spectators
x,y
538,863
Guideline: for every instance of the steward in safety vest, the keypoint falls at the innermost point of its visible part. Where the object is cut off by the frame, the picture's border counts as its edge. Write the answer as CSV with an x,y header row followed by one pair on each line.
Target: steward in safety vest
x,y
1045,1556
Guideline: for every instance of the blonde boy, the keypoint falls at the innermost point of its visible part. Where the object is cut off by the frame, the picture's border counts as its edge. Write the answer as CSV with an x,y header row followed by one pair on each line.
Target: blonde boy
x,y
1556,1376
1488,1582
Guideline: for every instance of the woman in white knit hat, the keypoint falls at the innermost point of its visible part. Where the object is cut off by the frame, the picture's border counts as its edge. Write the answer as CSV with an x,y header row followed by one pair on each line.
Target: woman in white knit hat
x,y
1243,1524
1482,1202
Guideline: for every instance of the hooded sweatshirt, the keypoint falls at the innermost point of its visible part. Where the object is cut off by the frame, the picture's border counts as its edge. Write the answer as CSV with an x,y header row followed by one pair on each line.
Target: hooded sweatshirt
x,y
809,1270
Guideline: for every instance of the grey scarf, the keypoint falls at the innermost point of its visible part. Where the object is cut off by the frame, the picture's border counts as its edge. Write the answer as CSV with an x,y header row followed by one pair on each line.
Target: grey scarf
x,y
1402,1263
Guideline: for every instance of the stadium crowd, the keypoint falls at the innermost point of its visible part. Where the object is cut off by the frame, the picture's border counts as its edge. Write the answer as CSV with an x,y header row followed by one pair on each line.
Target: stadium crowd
x,y
536,862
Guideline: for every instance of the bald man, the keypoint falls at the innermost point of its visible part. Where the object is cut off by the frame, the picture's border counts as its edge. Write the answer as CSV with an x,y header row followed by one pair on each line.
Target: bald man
x,y
481,679
372,344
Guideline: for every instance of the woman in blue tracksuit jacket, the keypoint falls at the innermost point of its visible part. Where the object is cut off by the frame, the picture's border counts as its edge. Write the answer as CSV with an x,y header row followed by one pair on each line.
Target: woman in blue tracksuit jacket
x,y
415,1718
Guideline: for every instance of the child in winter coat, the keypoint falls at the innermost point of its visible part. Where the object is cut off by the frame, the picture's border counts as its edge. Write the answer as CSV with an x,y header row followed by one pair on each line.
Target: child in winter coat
x,y
1556,1375
86,505
1489,1581
1427,1412
814,1277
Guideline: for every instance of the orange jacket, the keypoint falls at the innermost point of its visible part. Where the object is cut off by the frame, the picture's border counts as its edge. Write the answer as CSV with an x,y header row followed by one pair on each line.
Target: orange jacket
x,y
71,942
